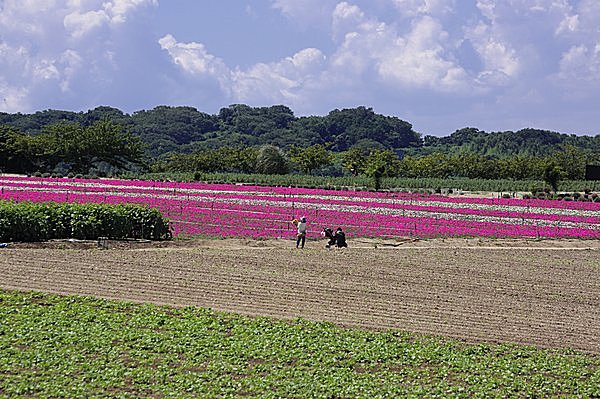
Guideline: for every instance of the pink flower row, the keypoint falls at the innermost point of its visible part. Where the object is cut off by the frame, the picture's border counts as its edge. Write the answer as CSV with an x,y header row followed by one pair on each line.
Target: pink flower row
x,y
129,185
192,215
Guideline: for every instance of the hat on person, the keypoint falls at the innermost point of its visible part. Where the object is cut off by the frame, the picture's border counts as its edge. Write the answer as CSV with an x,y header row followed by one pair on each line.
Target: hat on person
x,y
303,219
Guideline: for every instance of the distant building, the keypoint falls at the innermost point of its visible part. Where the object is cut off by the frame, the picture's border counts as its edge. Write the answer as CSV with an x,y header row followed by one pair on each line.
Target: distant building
x,y
592,172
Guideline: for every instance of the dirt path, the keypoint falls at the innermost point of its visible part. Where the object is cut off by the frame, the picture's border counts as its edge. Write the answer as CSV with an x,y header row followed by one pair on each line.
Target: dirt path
x,y
542,293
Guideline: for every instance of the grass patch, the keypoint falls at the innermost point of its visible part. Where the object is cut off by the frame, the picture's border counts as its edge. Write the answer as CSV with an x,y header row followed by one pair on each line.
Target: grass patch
x,y
77,347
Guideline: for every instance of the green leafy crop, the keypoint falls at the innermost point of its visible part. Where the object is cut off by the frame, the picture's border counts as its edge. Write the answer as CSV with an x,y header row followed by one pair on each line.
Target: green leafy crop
x,y
77,347
31,221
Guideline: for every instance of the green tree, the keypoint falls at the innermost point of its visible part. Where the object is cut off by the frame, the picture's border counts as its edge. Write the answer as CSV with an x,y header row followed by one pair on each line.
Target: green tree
x,y
15,152
310,158
552,175
270,160
572,161
86,147
355,160
381,164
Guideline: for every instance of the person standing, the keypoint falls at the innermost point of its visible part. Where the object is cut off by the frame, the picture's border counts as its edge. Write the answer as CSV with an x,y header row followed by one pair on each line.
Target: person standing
x,y
301,235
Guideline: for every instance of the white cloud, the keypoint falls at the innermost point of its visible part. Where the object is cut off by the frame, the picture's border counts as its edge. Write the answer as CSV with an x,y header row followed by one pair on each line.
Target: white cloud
x,y
487,8
418,60
45,70
581,63
263,82
12,99
79,24
71,63
281,81
346,19
118,10
429,7
570,23
46,45
501,63
192,57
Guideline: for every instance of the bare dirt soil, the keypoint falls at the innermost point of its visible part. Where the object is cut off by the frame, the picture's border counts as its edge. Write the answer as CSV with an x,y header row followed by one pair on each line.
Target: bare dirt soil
x,y
545,293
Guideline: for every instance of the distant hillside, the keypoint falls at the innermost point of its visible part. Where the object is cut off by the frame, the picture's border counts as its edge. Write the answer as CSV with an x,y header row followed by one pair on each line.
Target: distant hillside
x,y
185,129
525,142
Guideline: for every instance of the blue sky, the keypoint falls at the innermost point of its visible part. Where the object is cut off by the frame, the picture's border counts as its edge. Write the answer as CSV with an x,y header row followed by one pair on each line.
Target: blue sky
x,y
439,64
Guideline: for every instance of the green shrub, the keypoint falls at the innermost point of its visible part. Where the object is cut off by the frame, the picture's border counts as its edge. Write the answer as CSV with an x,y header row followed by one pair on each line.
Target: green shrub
x,y
29,221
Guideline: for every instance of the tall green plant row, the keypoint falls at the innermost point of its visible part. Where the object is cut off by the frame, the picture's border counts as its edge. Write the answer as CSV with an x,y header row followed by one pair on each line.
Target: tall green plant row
x,y
364,182
31,221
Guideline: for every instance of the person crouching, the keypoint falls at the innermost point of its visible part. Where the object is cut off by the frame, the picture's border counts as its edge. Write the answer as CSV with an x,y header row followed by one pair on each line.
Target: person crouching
x,y
328,233
340,238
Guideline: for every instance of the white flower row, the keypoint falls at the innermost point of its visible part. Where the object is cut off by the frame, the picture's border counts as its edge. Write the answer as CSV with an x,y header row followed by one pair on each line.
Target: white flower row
x,y
296,196
299,204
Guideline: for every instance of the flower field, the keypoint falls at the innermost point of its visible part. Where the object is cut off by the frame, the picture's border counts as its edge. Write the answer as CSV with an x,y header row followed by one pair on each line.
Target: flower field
x,y
226,210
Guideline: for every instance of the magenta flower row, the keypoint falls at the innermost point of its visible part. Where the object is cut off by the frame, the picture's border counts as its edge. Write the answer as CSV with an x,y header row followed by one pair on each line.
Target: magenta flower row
x,y
261,212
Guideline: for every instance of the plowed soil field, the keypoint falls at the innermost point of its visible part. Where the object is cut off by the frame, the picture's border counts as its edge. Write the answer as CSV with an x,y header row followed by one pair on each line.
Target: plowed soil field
x,y
544,293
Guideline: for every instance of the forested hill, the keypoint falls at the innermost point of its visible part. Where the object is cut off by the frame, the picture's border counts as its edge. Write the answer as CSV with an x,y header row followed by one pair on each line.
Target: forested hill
x,y
185,129
525,142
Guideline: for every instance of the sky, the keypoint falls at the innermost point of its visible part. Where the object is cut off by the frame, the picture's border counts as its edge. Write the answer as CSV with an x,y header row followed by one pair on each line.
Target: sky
x,y
440,65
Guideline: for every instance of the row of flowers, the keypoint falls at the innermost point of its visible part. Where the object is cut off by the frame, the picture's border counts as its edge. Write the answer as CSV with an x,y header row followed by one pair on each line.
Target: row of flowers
x,y
413,208
179,188
236,210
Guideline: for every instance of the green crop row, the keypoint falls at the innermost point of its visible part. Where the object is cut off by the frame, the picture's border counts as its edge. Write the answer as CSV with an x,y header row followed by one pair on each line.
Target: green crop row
x,y
365,183
77,347
31,221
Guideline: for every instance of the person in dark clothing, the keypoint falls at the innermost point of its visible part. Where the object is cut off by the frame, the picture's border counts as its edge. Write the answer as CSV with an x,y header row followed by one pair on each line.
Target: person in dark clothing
x,y
328,233
340,238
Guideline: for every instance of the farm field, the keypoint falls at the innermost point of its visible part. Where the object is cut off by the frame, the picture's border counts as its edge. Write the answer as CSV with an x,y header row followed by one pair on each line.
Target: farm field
x,y
435,297
500,319
527,292
226,210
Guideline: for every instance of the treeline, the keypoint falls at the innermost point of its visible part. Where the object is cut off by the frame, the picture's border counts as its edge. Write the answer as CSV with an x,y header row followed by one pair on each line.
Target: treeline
x,y
167,130
271,140
68,148
317,160
525,142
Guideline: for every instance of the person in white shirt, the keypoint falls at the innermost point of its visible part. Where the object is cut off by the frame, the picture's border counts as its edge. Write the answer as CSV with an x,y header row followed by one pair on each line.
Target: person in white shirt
x,y
301,235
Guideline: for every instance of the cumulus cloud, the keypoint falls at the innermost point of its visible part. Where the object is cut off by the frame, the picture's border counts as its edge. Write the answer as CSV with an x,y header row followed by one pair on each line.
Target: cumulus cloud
x,y
79,24
429,7
418,60
118,10
581,63
501,62
262,82
193,57
347,18
280,81
408,54
12,99
46,45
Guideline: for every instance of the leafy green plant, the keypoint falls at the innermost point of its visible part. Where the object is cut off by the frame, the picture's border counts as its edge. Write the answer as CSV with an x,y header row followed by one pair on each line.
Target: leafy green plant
x,y
30,221
79,347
